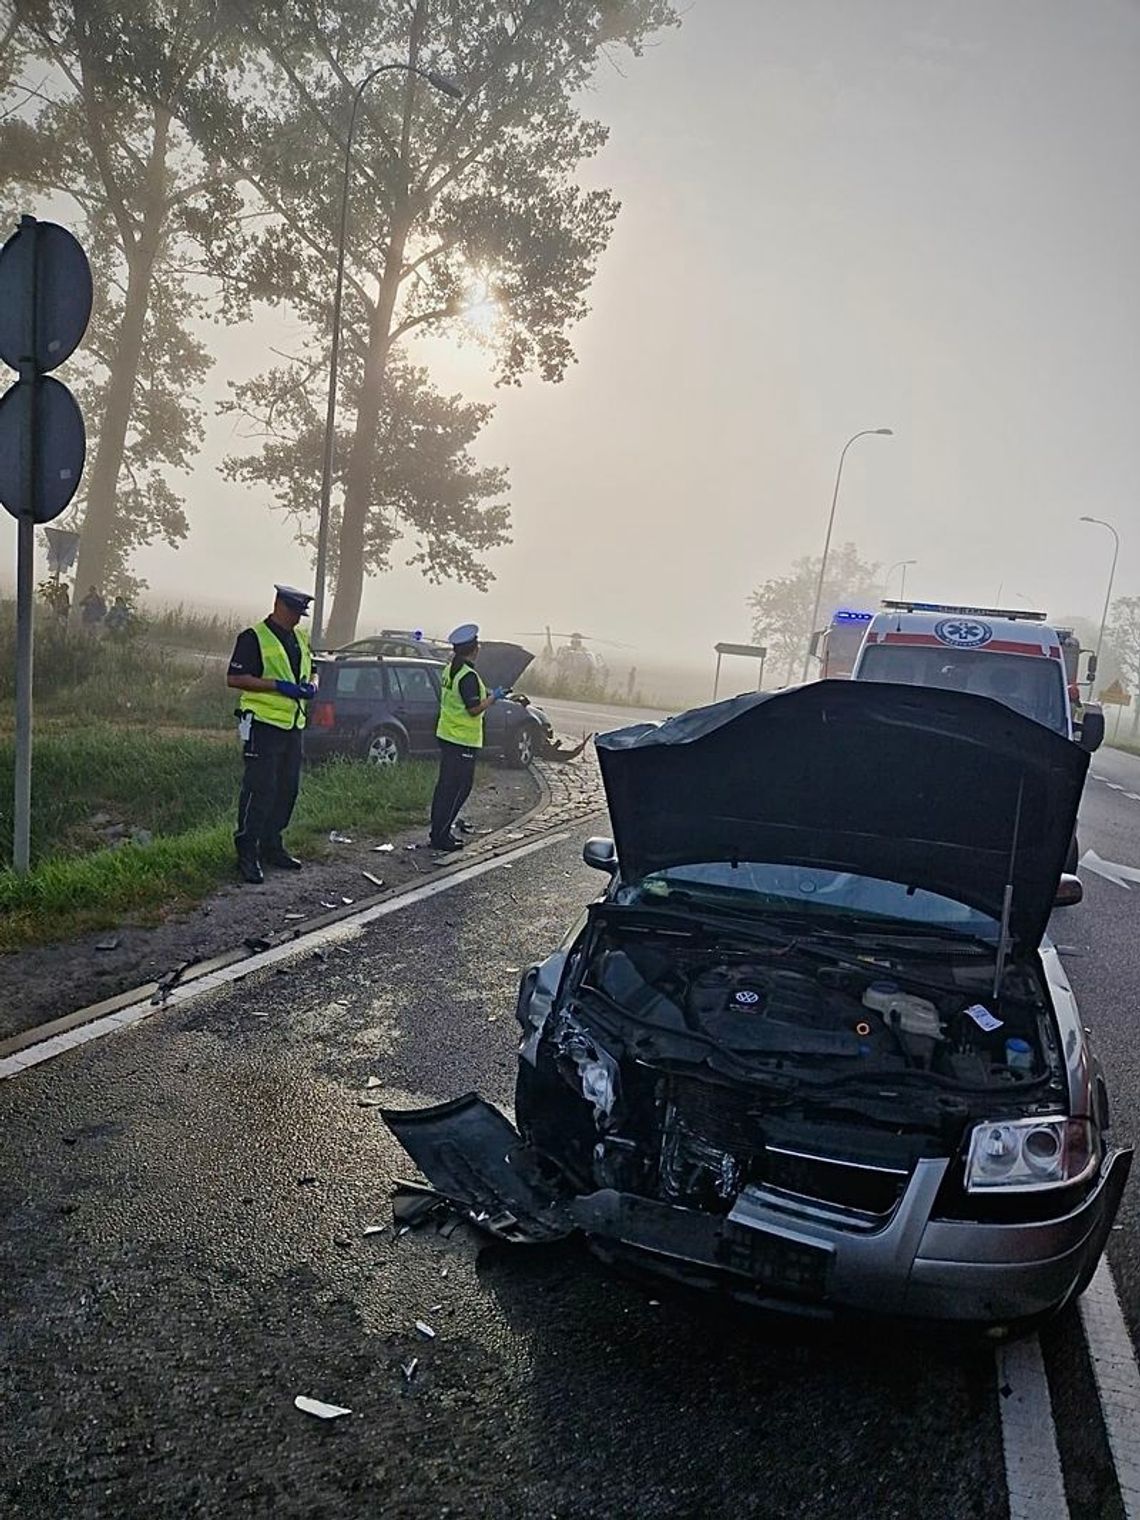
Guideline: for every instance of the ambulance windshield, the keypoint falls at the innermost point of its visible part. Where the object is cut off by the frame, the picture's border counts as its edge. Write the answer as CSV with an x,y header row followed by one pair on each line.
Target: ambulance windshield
x,y
1032,686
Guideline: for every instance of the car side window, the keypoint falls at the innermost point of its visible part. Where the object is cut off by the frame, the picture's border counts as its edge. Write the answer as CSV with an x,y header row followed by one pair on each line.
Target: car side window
x,y
359,681
413,683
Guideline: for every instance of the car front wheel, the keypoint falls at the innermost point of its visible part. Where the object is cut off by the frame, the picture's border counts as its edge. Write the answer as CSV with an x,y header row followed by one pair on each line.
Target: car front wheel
x,y
520,750
384,747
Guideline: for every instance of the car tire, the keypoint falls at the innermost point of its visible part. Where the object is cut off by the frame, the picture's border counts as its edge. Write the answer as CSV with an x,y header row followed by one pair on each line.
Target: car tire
x,y
520,751
385,748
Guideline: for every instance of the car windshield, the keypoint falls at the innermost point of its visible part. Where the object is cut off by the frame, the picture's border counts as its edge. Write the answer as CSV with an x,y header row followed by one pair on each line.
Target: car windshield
x,y
1032,686
836,895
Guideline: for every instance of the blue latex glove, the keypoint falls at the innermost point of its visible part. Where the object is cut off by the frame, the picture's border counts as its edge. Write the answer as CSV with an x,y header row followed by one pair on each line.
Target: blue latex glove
x,y
499,693
291,689
308,690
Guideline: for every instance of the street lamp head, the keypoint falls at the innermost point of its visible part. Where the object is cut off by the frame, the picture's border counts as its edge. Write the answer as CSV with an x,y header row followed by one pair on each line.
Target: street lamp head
x,y
884,432
445,84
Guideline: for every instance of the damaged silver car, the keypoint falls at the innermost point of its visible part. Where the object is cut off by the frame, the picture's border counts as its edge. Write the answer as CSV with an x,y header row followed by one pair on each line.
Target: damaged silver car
x,y
811,1045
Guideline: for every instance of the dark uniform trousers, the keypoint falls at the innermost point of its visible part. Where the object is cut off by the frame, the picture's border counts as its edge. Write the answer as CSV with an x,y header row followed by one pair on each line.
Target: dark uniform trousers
x,y
452,789
269,787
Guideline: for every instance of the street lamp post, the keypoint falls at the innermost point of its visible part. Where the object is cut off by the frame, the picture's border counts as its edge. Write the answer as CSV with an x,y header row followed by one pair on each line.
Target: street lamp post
x,y
446,87
900,564
1100,522
866,433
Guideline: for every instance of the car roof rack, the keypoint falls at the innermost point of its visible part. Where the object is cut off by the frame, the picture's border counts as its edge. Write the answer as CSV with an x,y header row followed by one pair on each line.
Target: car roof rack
x,y
1014,613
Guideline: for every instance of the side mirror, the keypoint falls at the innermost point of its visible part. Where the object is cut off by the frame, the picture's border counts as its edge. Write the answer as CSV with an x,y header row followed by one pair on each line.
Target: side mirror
x,y
1069,892
1091,735
1090,668
601,854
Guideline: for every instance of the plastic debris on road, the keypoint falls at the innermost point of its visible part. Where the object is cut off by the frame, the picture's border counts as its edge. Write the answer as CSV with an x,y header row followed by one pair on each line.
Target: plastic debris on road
x,y
108,944
409,1368
254,1015
256,942
317,1407
371,1082
293,918
377,881
348,901
327,904
383,849
425,1330
375,1229
336,837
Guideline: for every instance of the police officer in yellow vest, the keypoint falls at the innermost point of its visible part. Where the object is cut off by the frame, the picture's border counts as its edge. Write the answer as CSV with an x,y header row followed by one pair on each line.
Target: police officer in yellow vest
x,y
272,667
463,701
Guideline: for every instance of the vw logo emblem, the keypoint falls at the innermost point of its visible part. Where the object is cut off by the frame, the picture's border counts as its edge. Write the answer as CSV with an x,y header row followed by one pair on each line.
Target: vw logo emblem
x,y
964,633
747,997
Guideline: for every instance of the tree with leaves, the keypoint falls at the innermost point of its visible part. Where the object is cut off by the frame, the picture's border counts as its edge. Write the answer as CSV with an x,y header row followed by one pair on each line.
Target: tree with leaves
x,y
424,475
91,95
464,217
1124,633
782,606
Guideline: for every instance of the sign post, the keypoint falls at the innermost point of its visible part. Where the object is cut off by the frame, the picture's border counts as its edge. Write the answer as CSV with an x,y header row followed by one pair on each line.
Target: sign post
x,y
45,303
748,652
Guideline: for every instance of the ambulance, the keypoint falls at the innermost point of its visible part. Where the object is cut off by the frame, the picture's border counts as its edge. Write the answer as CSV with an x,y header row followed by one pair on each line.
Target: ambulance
x,y
1012,656
837,646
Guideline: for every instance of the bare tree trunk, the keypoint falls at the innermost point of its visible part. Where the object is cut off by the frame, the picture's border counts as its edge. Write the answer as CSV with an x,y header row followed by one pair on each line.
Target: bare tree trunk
x,y
99,516
358,480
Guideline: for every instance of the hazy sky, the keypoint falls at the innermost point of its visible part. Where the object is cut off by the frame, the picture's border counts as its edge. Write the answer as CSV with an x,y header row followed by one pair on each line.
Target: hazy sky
x,y
837,214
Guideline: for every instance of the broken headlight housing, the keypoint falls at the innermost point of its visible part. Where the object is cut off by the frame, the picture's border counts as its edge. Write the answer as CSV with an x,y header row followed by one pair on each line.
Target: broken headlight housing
x,y
1020,1155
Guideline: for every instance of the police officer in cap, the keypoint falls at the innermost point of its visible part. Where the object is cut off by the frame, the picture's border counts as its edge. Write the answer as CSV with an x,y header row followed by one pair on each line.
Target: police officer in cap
x,y
272,667
463,701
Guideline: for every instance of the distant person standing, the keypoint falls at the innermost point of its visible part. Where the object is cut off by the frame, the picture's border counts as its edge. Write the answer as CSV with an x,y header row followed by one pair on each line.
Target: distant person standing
x,y
94,609
272,667
119,618
463,701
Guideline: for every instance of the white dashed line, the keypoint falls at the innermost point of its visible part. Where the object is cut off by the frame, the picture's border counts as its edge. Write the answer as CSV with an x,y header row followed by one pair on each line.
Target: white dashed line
x,y
1029,1441
1117,1381
344,928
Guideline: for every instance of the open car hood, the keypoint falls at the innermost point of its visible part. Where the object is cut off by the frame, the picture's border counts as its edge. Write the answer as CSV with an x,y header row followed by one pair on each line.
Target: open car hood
x,y
502,664
901,783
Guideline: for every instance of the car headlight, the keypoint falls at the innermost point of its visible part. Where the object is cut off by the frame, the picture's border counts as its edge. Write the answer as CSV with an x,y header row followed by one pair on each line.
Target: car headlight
x,y
1020,1154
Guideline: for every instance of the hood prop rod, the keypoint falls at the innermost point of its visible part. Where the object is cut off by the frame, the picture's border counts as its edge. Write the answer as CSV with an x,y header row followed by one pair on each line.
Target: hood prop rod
x,y
1007,896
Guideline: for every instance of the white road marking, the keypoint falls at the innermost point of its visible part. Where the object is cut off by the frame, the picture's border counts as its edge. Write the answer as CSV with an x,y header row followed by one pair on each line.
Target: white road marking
x,y
1123,876
344,928
1133,796
1032,1463
1114,786
1117,1381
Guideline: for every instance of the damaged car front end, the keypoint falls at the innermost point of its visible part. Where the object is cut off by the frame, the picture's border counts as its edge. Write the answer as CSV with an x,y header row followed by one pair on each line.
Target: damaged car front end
x,y
810,1045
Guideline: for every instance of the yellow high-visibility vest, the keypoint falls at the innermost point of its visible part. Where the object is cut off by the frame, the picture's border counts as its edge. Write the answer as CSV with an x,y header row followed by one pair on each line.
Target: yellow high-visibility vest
x,y
456,724
271,706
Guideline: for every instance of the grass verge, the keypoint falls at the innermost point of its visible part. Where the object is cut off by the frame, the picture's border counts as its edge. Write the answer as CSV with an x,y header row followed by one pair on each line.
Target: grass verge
x,y
184,791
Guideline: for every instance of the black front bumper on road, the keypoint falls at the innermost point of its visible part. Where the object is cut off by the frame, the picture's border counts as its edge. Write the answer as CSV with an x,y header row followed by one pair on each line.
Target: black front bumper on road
x,y
774,1247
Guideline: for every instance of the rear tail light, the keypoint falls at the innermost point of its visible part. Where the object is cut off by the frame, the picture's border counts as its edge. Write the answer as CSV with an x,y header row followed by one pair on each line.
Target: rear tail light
x,y
322,715
1074,693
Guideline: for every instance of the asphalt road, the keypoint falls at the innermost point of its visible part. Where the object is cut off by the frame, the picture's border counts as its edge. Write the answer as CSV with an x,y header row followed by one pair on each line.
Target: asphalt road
x,y
182,1252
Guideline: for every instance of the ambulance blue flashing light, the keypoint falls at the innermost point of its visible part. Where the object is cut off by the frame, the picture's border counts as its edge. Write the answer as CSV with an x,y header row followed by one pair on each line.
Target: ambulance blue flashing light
x,y
847,616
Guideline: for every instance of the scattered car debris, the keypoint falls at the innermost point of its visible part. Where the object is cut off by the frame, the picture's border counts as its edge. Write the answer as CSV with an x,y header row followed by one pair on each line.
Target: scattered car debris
x,y
108,944
256,942
328,904
336,837
375,1229
167,984
348,901
377,881
383,849
411,847
425,1330
409,1368
254,1015
293,917
318,1408
320,955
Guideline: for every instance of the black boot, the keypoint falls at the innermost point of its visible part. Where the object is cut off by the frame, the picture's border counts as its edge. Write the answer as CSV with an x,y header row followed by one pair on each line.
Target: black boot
x,y
250,867
280,857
